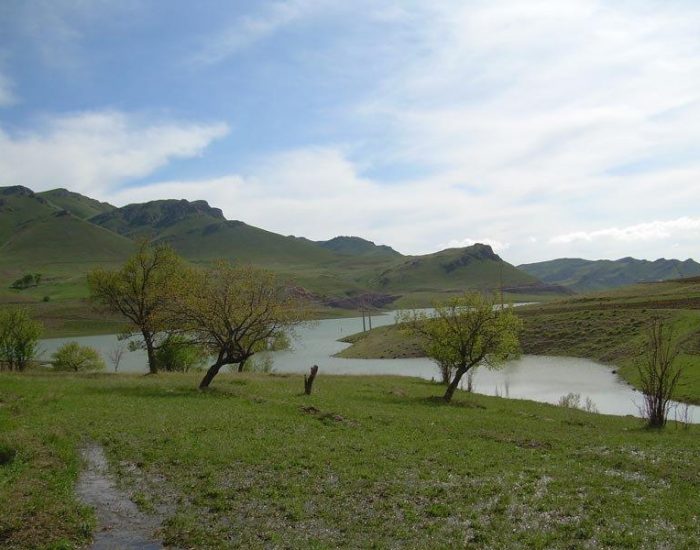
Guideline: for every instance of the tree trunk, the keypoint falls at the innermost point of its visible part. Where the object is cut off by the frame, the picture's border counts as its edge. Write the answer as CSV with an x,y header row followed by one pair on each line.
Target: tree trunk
x,y
150,351
209,376
309,382
241,364
455,382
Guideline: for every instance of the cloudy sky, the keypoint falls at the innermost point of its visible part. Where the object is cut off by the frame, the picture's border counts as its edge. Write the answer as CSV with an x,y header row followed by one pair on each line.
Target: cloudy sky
x,y
545,128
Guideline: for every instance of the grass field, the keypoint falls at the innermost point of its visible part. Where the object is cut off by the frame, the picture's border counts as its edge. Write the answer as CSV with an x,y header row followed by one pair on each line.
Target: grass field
x,y
364,462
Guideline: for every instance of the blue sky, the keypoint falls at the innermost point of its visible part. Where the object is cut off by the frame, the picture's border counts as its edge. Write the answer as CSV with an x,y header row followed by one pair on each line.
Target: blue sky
x,y
545,128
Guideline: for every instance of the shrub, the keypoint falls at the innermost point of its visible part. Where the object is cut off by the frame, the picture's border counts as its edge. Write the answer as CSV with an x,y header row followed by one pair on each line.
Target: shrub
x,y
259,363
7,454
177,354
659,373
30,279
74,357
573,401
19,337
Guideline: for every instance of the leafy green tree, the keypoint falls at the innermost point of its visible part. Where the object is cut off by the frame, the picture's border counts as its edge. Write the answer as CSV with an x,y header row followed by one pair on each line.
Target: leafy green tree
x,y
176,353
71,356
141,291
236,311
19,338
464,332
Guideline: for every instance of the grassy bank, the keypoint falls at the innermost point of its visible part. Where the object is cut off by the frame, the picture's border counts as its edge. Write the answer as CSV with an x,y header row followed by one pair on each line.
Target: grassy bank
x,y
365,461
604,327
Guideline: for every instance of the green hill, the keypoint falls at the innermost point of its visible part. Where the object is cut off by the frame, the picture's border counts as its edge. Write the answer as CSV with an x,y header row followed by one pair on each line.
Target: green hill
x,y
48,233
458,269
75,203
356,246
34,232
585,275
200,233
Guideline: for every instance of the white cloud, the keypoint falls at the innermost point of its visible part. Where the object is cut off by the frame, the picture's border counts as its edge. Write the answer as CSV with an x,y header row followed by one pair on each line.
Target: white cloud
x,y
651,231
95,151
249,29
7,95
318,193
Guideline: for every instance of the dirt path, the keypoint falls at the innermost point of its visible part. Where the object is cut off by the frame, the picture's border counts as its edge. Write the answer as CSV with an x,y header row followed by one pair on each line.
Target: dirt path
x,y
120,524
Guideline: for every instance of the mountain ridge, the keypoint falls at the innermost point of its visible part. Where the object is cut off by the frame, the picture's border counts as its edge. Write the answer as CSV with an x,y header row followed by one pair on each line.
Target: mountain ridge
x,y
588,275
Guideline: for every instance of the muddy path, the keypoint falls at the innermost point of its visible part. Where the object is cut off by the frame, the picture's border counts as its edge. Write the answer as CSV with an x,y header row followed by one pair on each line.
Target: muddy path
x,y
120,524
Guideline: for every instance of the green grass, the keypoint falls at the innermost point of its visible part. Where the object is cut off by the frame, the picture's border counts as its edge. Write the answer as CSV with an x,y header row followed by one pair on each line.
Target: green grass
x,y
364,462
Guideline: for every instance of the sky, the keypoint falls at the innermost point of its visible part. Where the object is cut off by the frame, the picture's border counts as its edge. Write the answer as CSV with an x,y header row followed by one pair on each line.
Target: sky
x,y
545,128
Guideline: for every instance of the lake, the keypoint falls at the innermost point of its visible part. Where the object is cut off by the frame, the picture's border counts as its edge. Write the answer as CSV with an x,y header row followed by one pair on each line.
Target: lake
x,y
538,378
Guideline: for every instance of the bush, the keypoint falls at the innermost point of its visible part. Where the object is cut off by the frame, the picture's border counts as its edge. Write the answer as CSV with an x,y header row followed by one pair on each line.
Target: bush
x,y
259,363
30,279
659,373
177,354
19,337
74,357
573,401
7,454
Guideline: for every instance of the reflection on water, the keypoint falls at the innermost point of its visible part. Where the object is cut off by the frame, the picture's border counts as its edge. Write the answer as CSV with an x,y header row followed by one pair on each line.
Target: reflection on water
x,y
539,378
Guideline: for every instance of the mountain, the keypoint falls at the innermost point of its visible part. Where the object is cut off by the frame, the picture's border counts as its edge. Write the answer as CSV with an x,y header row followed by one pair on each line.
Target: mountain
x,y
79,205
200,232
56,233
36,232
455,269
356,246
587,275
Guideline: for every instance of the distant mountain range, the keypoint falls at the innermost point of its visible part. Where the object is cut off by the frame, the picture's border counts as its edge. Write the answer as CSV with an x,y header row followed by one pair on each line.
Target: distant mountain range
x,y
588,275
63,232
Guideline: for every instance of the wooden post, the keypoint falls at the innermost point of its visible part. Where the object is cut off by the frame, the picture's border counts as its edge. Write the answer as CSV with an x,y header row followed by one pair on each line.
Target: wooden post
x,y
309,381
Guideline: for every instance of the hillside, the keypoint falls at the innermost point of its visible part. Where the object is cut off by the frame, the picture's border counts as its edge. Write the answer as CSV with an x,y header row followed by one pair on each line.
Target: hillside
x,y
55,234
586,275
36,233
356,246
455,269
79,205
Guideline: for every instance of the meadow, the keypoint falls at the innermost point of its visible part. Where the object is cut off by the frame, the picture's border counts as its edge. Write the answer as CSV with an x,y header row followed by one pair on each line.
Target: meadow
x,y
363,462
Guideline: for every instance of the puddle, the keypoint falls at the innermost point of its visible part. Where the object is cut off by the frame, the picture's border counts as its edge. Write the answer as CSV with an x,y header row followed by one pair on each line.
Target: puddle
x,y
120,524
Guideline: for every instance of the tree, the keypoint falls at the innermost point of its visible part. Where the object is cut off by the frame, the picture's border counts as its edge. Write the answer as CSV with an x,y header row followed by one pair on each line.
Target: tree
x,y
234,312
464,332
71,356
19,338
177,354
659,373
116,354
140,291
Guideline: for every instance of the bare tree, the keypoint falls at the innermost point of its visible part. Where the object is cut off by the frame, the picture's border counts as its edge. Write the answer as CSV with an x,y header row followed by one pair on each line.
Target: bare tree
x,y
115,356
658,373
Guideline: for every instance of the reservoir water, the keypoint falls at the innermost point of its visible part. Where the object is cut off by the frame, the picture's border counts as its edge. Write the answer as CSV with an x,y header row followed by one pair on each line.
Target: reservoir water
x,y
538,378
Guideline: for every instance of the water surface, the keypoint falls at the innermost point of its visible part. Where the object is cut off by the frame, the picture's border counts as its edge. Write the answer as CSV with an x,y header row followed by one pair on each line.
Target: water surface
x,y
539,378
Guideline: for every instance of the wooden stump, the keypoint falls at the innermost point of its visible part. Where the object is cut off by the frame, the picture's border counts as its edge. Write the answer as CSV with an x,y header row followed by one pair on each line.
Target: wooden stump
x,y
309,380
